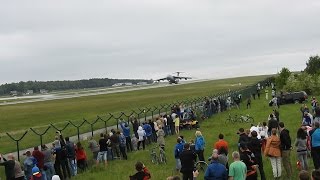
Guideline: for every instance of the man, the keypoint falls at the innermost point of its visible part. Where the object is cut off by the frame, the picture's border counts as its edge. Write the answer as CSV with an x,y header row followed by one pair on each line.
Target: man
x,y
237,169
187,158
315,145
215,170
248,158
255,146
48,162
285,149
28,164
102,155
94,147
40,161
126,132
243,137
272,123
71,155
221,143
8,166
142,172
177,151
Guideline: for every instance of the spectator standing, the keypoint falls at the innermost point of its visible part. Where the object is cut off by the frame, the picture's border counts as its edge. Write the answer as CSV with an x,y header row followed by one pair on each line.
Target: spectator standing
x,y
103,152
307,119
48,162
160,137
315,145
317,113
301,146
199,145
94,147
243,137
71,154
255,146
142,136
273,151
148,130
8,166
177,151
18,173
249,103
126,132
114,138
177,124
28,164
314,103
285,149
135,126
221,143
272,123
81,157
122,145
40,161
134,142
248,158
170,123
237,169
215,169
187,158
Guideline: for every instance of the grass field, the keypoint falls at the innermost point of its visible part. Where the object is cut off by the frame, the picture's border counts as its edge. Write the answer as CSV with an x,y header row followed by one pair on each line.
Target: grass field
x,y
121,169
20,117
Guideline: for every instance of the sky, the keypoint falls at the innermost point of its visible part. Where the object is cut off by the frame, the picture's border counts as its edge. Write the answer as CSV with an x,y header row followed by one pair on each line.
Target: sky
x,y
207,39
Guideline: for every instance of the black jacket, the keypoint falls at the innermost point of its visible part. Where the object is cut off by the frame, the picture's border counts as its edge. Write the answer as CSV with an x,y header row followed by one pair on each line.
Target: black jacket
x,y
285,140
243,139
273,123
255,146
187,158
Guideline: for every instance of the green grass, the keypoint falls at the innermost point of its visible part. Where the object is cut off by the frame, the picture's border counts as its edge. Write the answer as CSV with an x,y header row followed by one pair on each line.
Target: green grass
x,y
121,169
16,119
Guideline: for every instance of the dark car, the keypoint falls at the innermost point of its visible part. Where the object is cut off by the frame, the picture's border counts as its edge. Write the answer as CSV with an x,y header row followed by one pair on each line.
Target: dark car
x,y
293,97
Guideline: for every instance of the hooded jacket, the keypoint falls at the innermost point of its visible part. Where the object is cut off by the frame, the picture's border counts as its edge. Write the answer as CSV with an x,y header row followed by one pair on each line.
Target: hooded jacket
x,y
273,147
141,133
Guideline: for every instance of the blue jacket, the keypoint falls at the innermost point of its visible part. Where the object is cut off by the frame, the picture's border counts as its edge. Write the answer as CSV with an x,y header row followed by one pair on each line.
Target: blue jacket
x,y
216,171
125,130
178,150
200,143
315,137
147,129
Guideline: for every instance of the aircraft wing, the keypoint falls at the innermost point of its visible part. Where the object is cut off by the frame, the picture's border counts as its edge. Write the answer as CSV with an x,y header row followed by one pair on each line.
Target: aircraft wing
x,y
162,79
181,77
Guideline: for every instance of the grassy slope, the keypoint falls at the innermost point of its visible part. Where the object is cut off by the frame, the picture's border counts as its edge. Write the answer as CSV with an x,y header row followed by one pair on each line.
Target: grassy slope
x,y
290,114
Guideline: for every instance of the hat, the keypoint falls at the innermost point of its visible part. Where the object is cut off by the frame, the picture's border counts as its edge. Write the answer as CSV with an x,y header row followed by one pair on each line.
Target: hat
x,y
56,177
27,153
35,170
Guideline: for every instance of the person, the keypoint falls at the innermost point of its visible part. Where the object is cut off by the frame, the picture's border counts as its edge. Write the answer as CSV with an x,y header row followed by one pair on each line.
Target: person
x,y
134,142
276,114
177,151
316,114
142,172
135,126
221,143
314,103
8,166
142,136
149,132
177,124
315,145
243,137
18,172
28,164
237,169
103,152
272,123
160,137
48,161
94,147
187,158
285,149
71,154
315,174
122,145
126,132
304,175
249,103
273,151
255,146
249,159
114,138
81,157
301,146
199,145
215,169
55,177
40,161
36,174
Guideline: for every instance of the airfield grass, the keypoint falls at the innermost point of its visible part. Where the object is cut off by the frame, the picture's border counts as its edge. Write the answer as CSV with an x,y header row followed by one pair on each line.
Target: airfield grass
x,y
121,169
16,119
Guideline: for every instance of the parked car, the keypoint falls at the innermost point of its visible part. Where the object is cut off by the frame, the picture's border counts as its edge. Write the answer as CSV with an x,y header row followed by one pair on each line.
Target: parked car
x,y
293,97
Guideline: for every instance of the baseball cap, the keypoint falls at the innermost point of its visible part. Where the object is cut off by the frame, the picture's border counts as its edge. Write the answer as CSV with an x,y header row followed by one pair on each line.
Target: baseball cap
x,y
35,170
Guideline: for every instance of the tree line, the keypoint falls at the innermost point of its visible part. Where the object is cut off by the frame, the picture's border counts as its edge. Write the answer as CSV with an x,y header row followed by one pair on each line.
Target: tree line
x,y
35,86
307,80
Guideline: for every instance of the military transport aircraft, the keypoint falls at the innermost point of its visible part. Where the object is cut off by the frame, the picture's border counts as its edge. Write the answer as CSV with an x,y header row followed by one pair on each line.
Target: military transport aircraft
x,y
173,79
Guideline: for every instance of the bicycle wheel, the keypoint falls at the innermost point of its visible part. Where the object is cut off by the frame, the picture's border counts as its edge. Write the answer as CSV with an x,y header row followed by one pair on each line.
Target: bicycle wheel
x,y
162,157
154,158
201,166
250,120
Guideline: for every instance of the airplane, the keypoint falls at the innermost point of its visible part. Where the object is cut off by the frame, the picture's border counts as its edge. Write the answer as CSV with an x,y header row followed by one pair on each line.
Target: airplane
x,y
173,79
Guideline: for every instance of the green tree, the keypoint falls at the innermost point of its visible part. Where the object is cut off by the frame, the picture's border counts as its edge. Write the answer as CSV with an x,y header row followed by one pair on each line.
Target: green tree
x,y
313,65
282,77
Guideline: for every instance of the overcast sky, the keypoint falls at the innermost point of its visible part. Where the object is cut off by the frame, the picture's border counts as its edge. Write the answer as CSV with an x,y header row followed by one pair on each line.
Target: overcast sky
x,y
75,39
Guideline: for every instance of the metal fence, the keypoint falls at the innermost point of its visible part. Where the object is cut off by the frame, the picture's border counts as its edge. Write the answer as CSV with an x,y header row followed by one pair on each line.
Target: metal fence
x,y
142,114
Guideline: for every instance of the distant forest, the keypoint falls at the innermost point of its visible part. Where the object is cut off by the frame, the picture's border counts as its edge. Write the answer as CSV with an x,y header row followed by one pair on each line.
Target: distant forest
x,y
36,86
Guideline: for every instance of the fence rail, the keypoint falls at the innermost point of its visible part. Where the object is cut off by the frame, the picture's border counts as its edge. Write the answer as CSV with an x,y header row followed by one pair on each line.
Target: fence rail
x,y
142,114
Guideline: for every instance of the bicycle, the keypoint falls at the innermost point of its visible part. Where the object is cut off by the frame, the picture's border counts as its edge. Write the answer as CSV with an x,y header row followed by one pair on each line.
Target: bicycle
x,y
231,119
162,155
246,119
162,158
201,166
154,157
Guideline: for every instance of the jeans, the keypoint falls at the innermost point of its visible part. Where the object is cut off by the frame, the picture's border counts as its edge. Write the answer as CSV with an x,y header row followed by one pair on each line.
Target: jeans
x,y
73,166
50,170
128,144
302,157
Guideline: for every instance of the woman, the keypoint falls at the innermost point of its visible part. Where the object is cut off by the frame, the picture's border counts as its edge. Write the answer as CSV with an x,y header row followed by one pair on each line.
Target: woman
x,y
274,153
141,134
81,156
160,137
301,145
199,145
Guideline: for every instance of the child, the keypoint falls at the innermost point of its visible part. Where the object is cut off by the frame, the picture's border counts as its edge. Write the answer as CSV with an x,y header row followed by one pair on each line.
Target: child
x,y
36,175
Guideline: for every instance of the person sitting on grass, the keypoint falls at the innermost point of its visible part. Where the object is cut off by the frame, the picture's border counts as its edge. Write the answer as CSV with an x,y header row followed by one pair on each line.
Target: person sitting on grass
x,y
142,172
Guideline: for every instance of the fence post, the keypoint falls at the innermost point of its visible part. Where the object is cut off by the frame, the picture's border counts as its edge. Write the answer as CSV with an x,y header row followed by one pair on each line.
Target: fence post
x,y
78,127
40,134
91,124
17,142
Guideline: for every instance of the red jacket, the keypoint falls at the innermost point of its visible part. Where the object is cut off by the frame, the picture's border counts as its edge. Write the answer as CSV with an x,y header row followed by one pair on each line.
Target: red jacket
x,y
81,154
39,157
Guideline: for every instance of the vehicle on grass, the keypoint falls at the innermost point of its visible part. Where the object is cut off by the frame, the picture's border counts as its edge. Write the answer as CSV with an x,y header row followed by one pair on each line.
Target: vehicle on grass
x,y
293,97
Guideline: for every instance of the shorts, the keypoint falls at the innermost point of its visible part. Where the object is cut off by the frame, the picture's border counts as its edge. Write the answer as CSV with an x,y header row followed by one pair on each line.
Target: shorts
x,y
102,155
